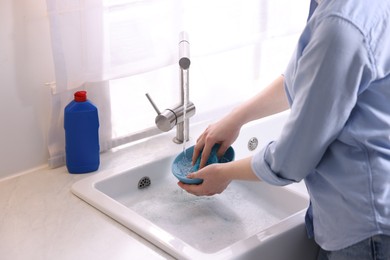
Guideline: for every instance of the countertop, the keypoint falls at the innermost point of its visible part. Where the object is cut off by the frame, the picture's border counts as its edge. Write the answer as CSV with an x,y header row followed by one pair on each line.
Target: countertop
x,y
40,218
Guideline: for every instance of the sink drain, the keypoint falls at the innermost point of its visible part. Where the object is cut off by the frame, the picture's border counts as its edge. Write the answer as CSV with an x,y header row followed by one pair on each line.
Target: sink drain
x,y
144,182
253,143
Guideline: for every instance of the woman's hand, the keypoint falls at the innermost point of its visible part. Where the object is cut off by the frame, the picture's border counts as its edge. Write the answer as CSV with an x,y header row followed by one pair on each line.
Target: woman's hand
x,y
214,181
216,177
224,132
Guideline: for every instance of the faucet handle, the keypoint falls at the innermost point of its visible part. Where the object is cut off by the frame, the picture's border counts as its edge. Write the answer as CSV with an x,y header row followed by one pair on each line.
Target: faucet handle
x,y
164,121
153,104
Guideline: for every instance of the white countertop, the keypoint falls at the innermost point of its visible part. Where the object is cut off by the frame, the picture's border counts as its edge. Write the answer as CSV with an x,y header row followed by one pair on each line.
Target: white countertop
x,y
41,219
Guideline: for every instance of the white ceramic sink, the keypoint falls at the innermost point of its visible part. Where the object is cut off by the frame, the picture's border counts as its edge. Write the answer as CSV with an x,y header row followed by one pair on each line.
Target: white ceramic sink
x,y
250,220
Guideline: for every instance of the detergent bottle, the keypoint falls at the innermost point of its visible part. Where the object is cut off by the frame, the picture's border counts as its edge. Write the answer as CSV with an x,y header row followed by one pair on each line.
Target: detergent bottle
x,y
81,123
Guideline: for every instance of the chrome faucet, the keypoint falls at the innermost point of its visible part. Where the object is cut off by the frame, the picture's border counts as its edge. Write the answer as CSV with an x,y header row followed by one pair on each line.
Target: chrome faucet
x,y
178,115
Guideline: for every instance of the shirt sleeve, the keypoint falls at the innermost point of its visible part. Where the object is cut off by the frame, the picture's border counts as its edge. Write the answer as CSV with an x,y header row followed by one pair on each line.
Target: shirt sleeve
x,y
327,77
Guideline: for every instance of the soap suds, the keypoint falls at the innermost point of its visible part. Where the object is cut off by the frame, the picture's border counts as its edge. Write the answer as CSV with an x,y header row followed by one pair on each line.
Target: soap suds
x,y
209,224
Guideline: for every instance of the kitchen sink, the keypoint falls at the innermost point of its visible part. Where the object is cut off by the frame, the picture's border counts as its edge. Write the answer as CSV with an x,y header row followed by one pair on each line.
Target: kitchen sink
x,y
251,220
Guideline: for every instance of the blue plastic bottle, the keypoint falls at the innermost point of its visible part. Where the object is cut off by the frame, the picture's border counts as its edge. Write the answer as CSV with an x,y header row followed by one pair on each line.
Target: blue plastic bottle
x,y
81,123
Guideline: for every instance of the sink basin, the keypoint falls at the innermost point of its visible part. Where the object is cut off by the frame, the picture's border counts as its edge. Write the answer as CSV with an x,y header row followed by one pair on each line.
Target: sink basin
x,y
251,220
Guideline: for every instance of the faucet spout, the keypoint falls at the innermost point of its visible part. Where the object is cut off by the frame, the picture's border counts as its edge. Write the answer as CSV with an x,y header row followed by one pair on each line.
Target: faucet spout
x,y
182,128
179,115
184,51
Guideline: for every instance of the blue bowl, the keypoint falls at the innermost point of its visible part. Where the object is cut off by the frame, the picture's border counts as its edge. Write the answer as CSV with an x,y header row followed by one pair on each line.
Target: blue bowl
x,y
182,165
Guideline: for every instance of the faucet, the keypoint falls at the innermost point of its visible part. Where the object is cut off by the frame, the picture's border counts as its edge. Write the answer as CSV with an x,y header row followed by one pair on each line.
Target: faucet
x,y
178,115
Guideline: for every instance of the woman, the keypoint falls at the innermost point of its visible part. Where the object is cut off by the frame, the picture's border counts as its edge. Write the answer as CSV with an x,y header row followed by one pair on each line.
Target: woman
x,y
337,136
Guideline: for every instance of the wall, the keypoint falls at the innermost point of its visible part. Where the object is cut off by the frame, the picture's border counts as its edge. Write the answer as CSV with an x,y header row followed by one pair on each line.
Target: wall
x,y
25,66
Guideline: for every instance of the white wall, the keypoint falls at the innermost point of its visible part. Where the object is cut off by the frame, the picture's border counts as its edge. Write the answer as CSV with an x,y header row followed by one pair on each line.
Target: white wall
x,y
25,65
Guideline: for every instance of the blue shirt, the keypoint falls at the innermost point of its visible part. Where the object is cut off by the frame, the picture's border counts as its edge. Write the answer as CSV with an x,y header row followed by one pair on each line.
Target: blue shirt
x,y
337,136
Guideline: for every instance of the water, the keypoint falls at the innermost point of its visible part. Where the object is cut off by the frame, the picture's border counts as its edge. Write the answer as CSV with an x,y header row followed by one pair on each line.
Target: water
x,y
185,78
184,167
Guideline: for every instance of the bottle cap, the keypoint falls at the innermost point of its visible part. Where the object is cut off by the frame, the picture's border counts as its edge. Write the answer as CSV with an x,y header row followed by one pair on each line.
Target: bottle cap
x,y
80,96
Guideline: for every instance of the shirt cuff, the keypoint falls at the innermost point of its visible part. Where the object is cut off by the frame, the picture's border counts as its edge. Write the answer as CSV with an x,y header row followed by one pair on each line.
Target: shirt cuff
x,y
264,172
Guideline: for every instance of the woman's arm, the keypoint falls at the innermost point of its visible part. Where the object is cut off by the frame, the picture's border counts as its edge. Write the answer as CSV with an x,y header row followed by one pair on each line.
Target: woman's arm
x,y
269,101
